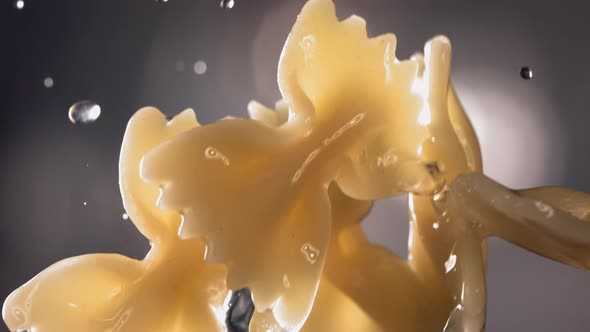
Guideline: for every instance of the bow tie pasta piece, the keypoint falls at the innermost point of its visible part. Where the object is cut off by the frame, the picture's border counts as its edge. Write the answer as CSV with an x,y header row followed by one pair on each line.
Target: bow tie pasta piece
x,y
170,290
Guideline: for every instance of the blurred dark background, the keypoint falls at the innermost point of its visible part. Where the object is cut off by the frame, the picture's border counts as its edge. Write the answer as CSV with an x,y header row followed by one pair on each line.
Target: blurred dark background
x,y
128,54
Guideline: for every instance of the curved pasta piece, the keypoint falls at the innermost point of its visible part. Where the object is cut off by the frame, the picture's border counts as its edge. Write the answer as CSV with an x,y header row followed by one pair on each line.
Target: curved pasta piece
x,y
172,287
546,227
442,247
171,291
259,244
362,273
146,129
331,73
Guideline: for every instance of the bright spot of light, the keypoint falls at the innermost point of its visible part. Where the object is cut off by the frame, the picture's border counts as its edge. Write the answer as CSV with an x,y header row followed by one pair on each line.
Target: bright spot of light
x,y
200,67
424,116
19,4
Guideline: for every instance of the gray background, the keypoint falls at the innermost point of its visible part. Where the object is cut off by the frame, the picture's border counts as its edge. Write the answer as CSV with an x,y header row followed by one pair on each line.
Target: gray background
x,y
124,55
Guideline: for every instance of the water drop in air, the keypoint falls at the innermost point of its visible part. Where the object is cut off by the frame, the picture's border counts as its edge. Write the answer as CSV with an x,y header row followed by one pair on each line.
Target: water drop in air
x,y
48,82
526,73
84,203
200,67
19,4
227,4
84,112
125,216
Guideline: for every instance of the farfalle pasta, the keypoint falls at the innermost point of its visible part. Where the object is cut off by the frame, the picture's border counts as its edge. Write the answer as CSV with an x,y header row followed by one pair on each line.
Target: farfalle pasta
x,y
274,204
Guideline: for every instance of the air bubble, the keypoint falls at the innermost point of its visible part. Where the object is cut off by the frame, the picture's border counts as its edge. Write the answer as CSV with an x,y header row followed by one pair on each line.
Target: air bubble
x,y
48,82
310,252
200,67
526,73
84,112
227,4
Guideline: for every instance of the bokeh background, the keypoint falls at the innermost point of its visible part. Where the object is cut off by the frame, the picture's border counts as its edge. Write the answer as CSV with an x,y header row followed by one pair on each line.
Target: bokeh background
x,y
128,54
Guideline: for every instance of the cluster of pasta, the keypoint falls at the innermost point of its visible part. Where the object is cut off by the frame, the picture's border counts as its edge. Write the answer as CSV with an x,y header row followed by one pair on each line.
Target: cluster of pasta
x,y
274,204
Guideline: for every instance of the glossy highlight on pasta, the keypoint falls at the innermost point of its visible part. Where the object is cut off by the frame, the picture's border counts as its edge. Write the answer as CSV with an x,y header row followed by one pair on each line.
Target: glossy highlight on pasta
x,y
274,204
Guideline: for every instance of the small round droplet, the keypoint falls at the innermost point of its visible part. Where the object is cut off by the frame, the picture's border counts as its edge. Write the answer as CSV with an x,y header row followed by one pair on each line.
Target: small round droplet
x,y
125,216
227,4
212,154
19,4
526,73
436,225
84,112
200,67
84,203
48,82
310,253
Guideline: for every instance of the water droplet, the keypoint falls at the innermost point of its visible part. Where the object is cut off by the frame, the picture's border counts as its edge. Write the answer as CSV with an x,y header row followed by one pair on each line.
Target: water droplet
x,y
227,4
450,263
200,67
19,4
84,203
212,154
48,82
310,252
240,311
125,216
455,320
307,42
286,281
84,112
389,158
544,208
526,73
436,225
179,66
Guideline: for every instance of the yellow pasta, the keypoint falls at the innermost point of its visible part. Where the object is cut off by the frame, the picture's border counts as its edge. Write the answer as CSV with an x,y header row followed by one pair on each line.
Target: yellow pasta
x,y
274,204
